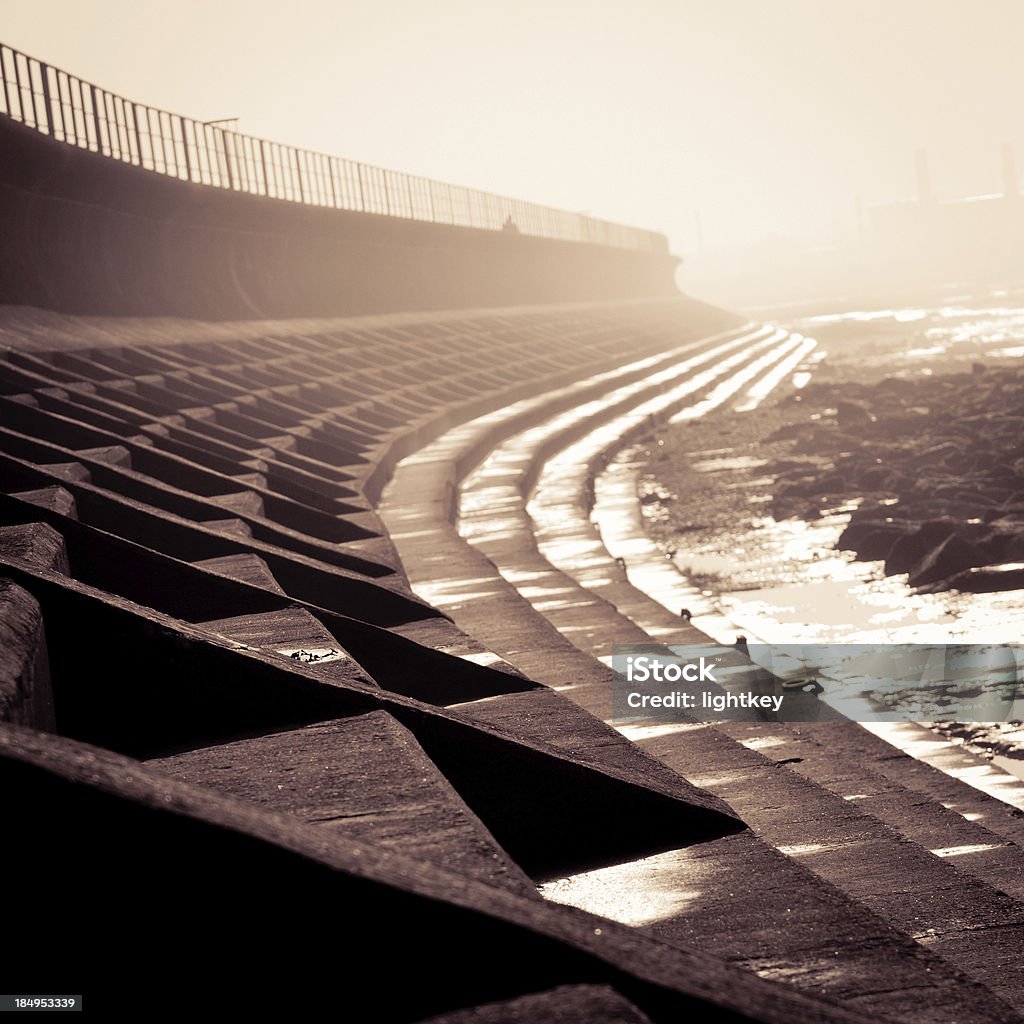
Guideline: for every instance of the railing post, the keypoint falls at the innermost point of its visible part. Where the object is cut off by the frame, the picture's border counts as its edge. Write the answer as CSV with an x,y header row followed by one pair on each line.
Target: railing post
x,y
362,195
263,164
241,164
184,144
113,132
44,70
17,86
298,176
330,177
113,139
110,123
134,132
227,160
81,132
66,108
3,78
96,119
32,92
155,135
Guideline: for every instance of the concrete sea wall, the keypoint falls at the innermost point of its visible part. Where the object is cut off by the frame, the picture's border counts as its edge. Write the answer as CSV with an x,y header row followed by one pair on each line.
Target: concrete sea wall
x,y
82,233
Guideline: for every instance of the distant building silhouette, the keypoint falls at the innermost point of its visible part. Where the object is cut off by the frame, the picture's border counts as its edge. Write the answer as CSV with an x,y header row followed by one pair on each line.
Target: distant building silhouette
x,y
977,237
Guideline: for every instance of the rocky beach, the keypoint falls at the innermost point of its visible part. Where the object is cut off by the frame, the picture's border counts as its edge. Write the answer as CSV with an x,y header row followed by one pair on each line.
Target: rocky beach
x,y
935,463
877,496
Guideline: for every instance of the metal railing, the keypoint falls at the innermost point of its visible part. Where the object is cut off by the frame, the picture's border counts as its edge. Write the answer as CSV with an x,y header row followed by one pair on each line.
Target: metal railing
x,y
78,113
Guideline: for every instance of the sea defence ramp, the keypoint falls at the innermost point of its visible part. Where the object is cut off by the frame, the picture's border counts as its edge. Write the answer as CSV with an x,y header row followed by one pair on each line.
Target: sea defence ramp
x,y
256,688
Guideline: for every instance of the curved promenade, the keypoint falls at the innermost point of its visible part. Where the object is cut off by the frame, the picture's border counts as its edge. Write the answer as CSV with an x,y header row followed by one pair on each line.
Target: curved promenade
x,y
531,576
241,696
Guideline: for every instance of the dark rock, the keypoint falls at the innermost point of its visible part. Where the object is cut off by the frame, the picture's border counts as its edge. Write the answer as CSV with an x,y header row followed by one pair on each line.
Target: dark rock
x,y
878,478
801,466
817,440
995,547
1006,518
996,495
922,509
871,539
988,579
914,546
937,453
901,424
835,483
944,487
789,431
875,511
951,556
974,532
877,545
894,386
801,488
852,414
977,497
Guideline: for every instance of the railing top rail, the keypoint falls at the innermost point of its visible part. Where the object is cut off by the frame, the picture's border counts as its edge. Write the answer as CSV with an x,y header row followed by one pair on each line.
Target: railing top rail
x,y
70,110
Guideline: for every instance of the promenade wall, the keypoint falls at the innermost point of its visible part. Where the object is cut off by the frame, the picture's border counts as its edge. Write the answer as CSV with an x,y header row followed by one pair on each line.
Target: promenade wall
x,y
82,233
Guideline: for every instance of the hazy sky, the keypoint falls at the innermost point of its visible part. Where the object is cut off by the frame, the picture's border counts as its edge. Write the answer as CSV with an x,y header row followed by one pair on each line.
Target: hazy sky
x,y
767,116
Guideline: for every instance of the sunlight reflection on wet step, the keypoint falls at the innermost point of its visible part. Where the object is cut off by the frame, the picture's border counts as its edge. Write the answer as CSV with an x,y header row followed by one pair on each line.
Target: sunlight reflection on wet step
x,y
923,744
960,851
804,849
637,893
763,742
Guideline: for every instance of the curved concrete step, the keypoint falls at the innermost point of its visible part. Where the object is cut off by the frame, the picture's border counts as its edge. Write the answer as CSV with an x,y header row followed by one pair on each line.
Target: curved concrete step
x,y
562,796
254,874
508,573
837,756
364,778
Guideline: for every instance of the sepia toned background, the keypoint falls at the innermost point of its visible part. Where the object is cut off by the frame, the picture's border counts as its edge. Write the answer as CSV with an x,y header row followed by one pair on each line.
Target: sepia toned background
x,y
748,131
